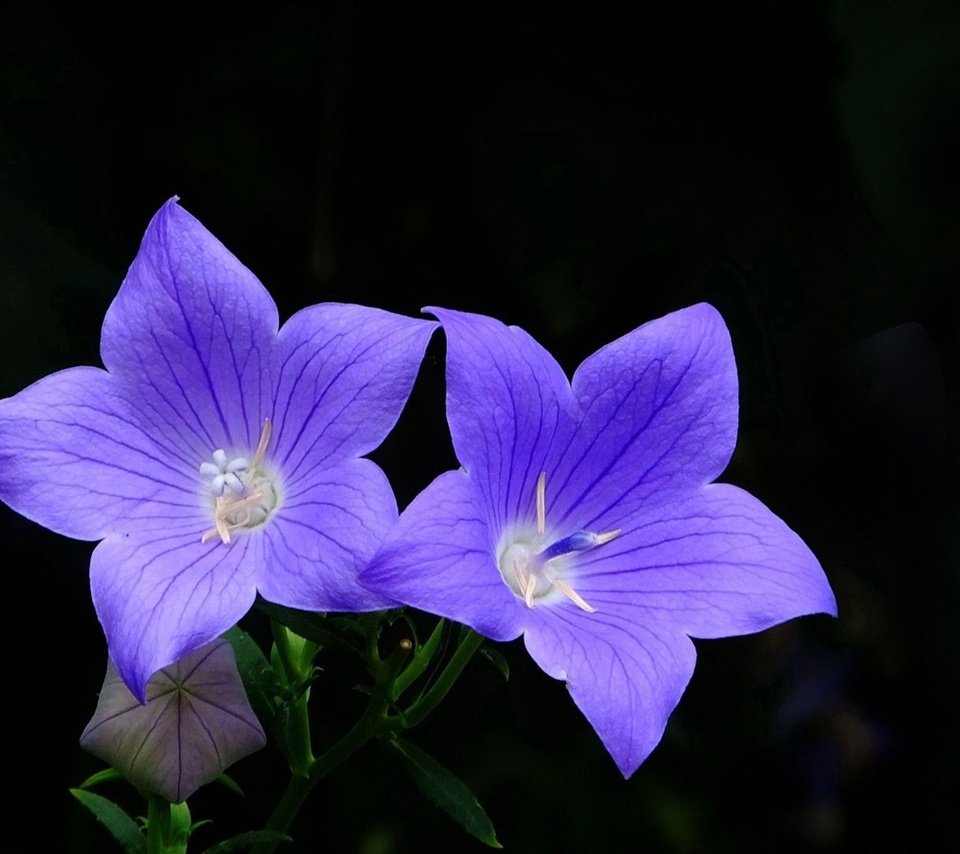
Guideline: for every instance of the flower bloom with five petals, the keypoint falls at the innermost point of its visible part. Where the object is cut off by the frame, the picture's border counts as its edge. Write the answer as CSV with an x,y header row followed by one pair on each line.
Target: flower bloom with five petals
x,y
584,517
218,454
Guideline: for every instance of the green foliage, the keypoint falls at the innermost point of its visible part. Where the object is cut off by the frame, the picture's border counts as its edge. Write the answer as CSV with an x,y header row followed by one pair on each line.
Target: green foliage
x,y
314,627
495,657
107,775
123,828
258,676
447,791
244,841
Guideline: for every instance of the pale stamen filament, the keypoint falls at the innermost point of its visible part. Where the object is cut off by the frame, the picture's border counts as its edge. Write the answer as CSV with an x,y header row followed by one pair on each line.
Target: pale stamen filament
x,y
226,508
521,578
574,597
530,569
264,441
542,503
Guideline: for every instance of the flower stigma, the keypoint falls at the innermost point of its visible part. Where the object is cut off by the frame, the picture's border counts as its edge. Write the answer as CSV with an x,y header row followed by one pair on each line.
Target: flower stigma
x,y
534,568
244,492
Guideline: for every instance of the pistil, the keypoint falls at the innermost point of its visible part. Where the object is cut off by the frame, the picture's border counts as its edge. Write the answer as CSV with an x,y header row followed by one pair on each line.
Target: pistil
x,y
245,494
533,565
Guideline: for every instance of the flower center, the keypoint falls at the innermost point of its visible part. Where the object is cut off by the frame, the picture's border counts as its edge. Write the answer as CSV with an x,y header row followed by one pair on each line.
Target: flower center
x,y
534,569
244,494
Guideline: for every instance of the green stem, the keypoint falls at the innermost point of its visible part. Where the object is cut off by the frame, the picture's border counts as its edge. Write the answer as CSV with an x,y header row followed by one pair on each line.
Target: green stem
x,y
421,659
168,826
158,824
370,724
299,745
371,628
282,640
432,698
374,720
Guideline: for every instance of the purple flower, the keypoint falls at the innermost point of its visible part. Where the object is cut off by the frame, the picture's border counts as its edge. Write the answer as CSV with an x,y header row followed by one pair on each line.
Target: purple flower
x,y
196,722
584,517
215,456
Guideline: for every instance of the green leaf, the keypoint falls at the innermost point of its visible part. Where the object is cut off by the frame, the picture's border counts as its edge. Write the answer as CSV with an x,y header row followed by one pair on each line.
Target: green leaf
x,y
259,679
495,657
123,828
243,841
249,655
313,627
230,783
447,791
105,776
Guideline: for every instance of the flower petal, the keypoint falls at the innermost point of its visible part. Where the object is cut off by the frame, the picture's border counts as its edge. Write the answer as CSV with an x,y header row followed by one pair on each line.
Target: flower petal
x,y
625,677
660,414
196,722
189,334
439,558
341,376
322,535
75,458
161,594
508,405
712,564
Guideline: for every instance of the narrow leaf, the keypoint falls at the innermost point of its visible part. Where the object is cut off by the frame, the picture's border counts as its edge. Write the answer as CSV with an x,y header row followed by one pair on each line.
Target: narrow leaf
x,y
495,657
248,653
123,828
243,841
230,783
104,776
257,675
446,790
313,627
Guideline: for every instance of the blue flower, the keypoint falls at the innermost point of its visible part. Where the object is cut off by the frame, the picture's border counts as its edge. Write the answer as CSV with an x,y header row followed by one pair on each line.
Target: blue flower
x,y
584,517
217,455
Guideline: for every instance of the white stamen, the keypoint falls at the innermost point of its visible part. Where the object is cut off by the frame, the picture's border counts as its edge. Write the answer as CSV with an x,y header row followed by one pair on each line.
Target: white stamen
x,y
521,579
264,441
610,535
529,569
542,503
574,597
245,494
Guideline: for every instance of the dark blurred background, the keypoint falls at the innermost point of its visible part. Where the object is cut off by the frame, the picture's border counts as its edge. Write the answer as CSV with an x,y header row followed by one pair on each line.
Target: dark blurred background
x,y
577,172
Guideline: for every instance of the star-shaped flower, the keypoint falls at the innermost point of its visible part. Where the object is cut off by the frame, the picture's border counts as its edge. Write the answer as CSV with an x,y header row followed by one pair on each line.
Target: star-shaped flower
x,y
216,455
584,517
196,723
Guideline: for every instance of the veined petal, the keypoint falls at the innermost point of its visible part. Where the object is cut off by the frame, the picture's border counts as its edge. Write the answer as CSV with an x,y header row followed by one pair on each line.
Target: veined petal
x,y
439,558
711,564
161,594
508,405
195,723
659,414
329,525
341,376
189,335
75,457
625,677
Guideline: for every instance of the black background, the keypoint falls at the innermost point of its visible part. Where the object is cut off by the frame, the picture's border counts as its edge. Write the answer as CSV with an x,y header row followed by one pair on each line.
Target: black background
x,y
577,172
